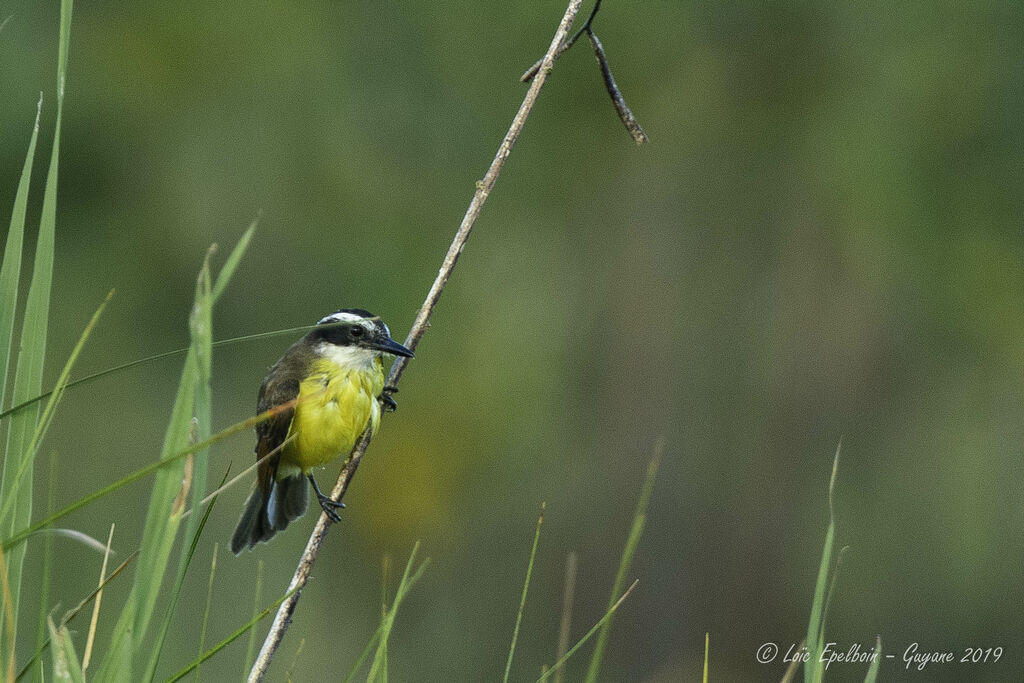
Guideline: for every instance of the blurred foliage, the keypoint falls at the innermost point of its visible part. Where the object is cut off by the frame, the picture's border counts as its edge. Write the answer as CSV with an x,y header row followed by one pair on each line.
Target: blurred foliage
x,y
822,240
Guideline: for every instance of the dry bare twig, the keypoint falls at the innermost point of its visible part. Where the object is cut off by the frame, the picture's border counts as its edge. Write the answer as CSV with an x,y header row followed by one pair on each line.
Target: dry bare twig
x,y
625,115
284,613
621,108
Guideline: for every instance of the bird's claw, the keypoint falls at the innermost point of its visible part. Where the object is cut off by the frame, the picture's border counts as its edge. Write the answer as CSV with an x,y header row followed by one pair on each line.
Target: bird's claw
x,y
330,507
388,400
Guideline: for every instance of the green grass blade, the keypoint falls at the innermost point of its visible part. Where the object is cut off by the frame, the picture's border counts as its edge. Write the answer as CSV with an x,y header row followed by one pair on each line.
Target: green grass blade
x,y
522,598
814,670
593,629
66,666
707,647
89,378
7,654
635,532
231,638
201,327
378,670
72,613
63,49
156,357
163,516
568,595
362,657
295,660
43,424
142,473
10,271
250,652
872,675
172,600
385,574
9,507
209,602
28,376
72,535
44,588
228,269
789,675
833,580
25,467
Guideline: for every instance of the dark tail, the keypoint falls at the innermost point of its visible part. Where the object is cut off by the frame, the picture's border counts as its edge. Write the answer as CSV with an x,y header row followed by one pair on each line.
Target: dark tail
x,y
265,515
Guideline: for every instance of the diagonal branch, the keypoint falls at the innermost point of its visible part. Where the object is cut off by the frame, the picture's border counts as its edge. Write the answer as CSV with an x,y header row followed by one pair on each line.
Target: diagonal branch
x,y
419,327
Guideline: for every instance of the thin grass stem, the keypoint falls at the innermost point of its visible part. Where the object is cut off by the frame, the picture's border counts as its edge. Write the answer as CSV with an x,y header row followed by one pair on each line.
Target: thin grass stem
x,y
91,637
636,530
522,598
607,615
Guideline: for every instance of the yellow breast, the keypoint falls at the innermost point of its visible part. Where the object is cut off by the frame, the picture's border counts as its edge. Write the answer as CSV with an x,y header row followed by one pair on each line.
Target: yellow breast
x,y
335,405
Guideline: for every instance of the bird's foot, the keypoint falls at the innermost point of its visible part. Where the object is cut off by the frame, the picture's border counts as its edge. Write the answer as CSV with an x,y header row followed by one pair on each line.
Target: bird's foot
x,y
327,504
330,506
388,400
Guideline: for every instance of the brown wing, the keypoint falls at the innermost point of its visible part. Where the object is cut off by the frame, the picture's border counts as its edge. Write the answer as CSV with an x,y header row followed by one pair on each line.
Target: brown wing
x,y
270,434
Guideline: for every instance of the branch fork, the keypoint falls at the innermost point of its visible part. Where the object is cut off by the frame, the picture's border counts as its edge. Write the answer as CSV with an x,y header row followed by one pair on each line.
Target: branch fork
x,y
621,108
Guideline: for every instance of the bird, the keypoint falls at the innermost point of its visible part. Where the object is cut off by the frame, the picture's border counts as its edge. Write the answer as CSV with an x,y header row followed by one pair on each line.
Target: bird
x,y
328,388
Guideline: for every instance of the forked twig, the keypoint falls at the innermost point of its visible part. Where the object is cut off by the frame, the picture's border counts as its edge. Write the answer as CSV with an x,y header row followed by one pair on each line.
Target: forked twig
x,y
532,71
621,108
284,613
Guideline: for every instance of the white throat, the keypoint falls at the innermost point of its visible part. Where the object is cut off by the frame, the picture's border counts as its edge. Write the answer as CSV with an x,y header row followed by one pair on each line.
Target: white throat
x,y
348,357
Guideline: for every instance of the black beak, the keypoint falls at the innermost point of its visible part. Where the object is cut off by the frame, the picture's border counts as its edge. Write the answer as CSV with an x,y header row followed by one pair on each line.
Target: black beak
x,y
392,347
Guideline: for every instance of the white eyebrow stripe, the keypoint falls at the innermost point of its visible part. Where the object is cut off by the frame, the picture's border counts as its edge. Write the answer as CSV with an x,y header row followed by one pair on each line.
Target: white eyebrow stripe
x,y
342,317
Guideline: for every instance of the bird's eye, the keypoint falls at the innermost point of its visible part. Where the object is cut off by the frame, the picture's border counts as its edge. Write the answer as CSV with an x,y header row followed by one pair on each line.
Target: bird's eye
x,y
357,331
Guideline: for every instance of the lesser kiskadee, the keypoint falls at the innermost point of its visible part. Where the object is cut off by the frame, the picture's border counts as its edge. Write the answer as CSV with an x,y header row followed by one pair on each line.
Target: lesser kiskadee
x,y
335,377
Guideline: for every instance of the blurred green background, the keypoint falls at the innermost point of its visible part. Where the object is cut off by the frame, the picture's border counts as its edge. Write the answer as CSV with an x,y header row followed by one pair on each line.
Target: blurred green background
x,y
822,241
